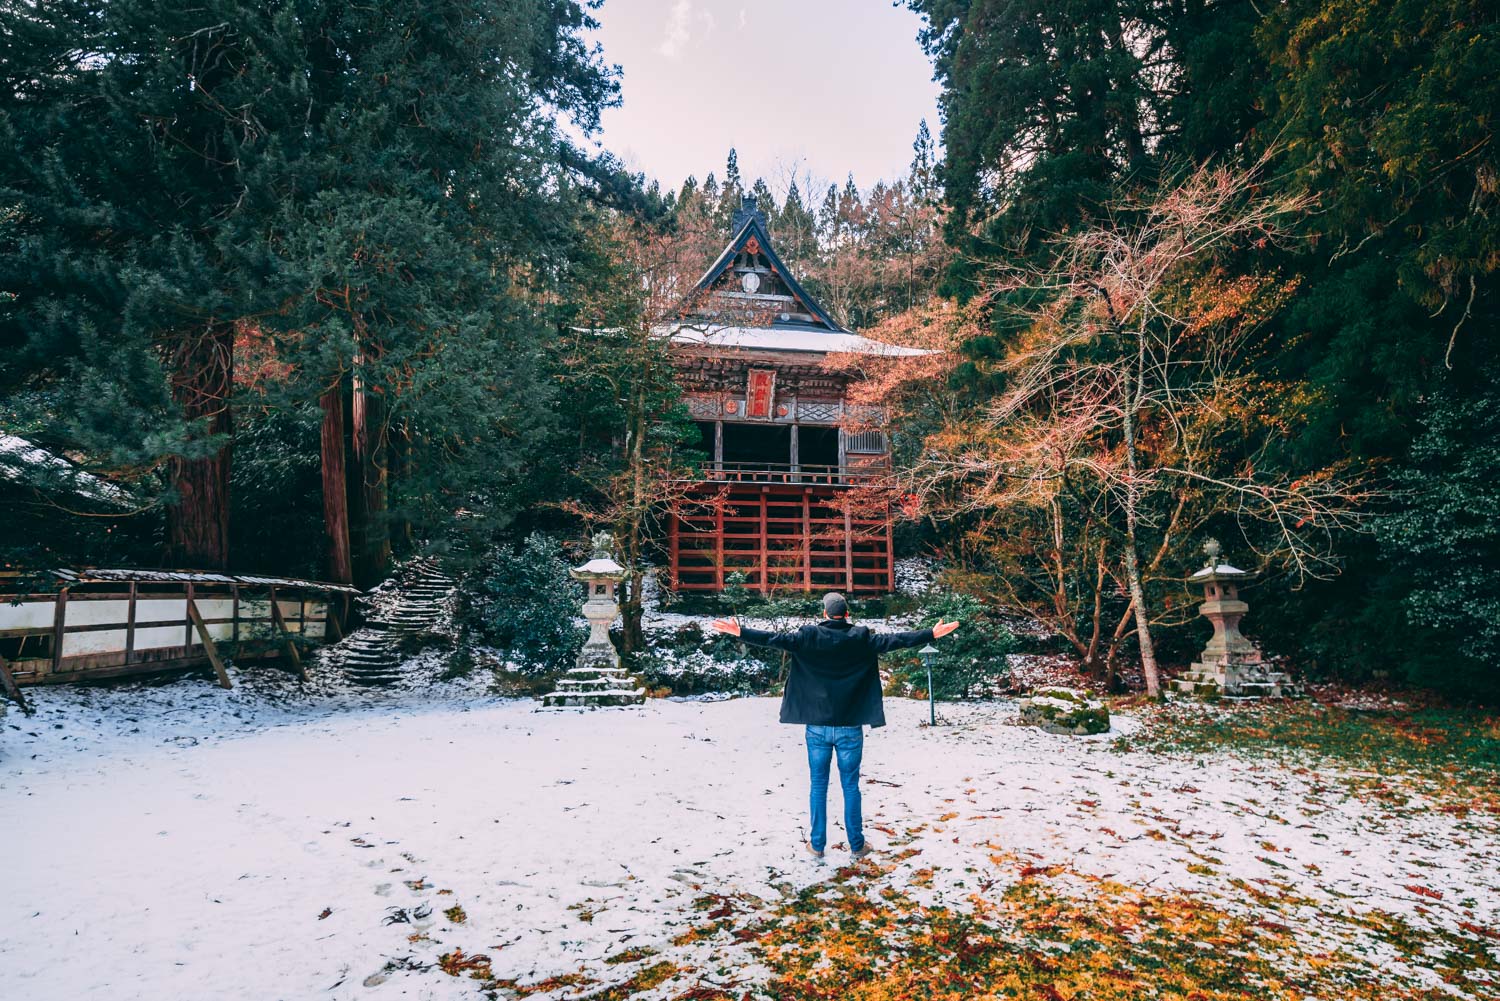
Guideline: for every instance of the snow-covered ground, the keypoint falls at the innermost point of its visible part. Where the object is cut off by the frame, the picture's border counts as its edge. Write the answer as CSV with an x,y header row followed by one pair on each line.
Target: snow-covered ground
x,y
180,841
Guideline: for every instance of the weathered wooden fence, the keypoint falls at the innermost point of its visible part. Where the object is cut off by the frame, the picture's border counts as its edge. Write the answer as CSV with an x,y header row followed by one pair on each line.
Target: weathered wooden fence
x,y
109,623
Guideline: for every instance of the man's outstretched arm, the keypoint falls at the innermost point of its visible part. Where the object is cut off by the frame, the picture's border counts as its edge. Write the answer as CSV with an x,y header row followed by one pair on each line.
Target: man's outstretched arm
x,y
886,642
758,637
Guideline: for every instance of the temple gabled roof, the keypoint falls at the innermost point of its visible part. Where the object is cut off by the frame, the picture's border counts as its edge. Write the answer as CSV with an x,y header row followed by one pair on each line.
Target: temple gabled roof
x,y
749,278
749,300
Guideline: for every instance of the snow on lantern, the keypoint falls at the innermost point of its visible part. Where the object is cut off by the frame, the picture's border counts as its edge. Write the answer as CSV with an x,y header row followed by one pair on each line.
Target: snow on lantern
x,y
597,679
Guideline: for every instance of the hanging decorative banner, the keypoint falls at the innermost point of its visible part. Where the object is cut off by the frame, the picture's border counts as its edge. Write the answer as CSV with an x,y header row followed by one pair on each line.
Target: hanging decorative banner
x,y
760,392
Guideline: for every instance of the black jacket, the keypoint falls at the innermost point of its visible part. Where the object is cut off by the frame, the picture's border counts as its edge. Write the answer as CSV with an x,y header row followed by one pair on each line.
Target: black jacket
x,y
834,680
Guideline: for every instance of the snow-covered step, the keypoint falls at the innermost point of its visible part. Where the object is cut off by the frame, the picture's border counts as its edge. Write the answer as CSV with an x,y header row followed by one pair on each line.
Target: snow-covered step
x,y
415,602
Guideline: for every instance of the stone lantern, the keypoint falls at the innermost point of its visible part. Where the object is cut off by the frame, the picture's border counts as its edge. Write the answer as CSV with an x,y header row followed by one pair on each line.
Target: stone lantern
x,y
1230,664
597,679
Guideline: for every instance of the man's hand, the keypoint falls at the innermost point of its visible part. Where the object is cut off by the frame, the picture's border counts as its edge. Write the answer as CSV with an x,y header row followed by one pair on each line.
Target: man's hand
x,y
941,629
731,626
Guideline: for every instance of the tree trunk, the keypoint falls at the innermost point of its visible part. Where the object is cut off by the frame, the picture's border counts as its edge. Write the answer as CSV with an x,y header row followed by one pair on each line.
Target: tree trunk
x,y
1142,619
202,381
339,565
1132,548
368,533
399,465
633,636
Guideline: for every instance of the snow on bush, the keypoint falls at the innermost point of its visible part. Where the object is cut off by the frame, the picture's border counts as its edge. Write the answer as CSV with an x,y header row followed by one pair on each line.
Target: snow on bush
x,y
1064,710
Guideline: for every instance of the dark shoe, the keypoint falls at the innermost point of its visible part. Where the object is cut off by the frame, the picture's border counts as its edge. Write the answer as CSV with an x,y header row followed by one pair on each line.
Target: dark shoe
x,y
807,845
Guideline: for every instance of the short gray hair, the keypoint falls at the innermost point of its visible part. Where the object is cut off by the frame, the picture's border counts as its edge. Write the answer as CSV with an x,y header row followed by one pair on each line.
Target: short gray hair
x,y
834,605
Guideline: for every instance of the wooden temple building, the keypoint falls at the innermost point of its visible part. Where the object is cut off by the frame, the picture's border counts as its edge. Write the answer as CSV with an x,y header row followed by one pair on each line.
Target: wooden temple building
x,y
787,450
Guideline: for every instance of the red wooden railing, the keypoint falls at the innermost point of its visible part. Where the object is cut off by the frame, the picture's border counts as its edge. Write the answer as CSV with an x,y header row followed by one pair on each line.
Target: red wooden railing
x,y
784,472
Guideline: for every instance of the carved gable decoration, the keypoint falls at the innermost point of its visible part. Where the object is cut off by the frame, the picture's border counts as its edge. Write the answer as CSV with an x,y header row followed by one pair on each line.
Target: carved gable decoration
x,y
749,286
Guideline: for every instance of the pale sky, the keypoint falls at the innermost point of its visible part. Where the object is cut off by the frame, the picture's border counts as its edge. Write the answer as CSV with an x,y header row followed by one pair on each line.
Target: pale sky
x,y
819,87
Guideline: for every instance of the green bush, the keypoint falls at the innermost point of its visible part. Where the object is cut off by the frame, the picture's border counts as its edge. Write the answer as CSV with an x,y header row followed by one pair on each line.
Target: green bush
x,y
971,661
1445,537
688,660
523,602
707,669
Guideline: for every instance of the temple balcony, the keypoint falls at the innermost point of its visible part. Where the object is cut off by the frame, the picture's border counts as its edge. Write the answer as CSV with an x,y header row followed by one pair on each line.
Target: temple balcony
x,y
801,474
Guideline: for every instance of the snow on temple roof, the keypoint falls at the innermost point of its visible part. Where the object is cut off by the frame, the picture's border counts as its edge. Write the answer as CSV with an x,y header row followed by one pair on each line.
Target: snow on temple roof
x,y
776,338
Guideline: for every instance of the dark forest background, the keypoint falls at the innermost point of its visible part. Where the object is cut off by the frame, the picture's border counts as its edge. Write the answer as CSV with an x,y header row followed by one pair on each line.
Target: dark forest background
x,y
296,287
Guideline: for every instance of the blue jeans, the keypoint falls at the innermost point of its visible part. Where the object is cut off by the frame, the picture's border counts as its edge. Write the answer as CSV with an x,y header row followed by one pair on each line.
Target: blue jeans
x,y
822,742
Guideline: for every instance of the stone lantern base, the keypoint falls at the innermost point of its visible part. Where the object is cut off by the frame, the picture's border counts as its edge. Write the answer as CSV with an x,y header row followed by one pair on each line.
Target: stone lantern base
x,y
600,684
597,679
607,688
1236,679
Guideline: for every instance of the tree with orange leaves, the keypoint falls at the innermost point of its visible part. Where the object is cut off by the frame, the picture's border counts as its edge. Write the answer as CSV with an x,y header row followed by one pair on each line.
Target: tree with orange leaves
x,y
1126,418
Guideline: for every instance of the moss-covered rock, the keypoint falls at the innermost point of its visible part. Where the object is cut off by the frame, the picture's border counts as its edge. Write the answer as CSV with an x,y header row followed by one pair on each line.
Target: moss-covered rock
x,y
1064,710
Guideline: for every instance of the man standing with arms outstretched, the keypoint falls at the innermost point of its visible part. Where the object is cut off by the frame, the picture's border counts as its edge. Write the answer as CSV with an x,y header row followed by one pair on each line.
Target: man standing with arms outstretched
x,y
834,689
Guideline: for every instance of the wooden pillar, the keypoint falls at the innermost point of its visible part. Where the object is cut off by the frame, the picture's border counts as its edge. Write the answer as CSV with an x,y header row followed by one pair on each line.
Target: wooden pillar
x,y
719,543
890,555
673,548
848,548
331,627
59,623
8,681
130,625
796,449
843,450
187,634
765,560
234,591
286,634
718,446
806,539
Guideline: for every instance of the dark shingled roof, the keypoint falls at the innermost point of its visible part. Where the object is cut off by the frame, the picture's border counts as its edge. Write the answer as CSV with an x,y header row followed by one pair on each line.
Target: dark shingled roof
x,y
750,221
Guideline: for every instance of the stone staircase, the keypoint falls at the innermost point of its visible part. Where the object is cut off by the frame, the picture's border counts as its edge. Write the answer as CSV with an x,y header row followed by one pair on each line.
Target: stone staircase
x,y
422,591
370,656
410,604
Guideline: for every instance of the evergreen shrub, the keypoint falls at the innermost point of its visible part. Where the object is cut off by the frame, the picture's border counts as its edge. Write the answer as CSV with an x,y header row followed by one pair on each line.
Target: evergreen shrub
x,y
522,601
971,661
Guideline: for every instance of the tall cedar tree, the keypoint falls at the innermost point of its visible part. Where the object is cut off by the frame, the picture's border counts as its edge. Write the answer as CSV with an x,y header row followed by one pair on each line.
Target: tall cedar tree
x,y
424,221
125,134
358,190
1386,114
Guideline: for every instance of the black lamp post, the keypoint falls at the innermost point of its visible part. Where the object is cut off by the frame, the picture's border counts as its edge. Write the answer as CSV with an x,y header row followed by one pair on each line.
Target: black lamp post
x,y
929,654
